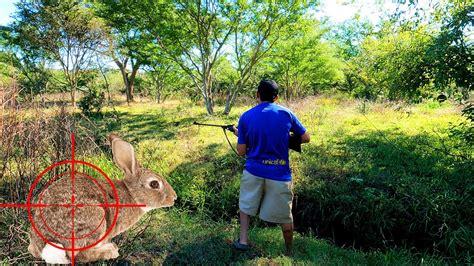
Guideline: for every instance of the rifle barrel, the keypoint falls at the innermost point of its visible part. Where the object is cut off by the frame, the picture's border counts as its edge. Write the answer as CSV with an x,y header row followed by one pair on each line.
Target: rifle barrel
x,y
210,125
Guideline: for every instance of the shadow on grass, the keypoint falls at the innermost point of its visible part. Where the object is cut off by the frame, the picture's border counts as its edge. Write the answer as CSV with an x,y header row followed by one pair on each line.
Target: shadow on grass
x,y
393,190
138,127
210,250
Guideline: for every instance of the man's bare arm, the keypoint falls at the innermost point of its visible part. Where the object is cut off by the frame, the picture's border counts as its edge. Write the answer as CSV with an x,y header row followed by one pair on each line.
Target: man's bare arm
x,y
305,137
241,149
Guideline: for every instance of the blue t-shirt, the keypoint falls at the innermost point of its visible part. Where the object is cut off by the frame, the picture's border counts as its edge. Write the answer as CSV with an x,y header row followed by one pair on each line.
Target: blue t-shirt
x,y
265,129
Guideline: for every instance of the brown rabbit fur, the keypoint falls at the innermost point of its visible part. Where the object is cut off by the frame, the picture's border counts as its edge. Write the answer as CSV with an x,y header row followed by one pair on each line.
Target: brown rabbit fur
x,y
140,186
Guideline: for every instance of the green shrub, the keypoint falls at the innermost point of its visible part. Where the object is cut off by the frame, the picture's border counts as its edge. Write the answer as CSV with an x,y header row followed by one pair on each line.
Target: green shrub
x,y
463,131
389,192
209,186
92,102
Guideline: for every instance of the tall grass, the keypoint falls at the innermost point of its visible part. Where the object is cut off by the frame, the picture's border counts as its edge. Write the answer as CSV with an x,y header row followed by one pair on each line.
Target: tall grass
x,y
380,176
375,175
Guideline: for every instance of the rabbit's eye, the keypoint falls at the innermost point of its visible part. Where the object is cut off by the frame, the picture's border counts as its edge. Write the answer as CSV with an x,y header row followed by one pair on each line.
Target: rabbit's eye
x,y
154,184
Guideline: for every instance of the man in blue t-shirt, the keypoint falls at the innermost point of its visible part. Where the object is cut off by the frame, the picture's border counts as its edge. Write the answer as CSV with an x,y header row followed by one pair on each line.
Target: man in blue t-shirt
x,y
263,135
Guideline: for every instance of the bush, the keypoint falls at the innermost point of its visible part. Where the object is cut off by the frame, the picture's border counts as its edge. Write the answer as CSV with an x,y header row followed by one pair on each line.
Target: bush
x,y
92,102
209,186
389,192
464,131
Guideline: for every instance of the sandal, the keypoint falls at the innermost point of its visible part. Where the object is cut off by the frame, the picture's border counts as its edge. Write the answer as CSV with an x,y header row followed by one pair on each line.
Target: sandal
x,y
240,246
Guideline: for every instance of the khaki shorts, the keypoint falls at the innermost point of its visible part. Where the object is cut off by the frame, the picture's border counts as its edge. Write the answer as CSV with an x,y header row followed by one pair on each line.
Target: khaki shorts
x,y
274,198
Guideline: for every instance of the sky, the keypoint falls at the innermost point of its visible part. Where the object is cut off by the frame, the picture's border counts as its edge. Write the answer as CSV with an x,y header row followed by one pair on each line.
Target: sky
x,y
339,10
7,8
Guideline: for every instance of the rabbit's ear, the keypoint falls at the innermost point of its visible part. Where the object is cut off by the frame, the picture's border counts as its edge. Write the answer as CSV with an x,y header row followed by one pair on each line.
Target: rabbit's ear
x,y
124,155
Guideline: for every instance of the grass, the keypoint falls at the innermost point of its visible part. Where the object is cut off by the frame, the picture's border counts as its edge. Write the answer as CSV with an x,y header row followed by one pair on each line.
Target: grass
x,y
176,237
363,163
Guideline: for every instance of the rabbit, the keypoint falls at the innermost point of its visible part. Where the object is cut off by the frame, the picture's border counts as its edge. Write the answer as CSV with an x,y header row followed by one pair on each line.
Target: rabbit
x,y
55,223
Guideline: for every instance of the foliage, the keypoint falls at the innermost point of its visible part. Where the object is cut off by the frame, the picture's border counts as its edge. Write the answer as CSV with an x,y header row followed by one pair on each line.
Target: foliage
x,y
197,240
302,63
63,32
259,27
127,44
390,177
376,176
380,179
192,34
392,66
222,49
92,102
410,57
349,35
27,68
164,77
463,132
376,180
451,55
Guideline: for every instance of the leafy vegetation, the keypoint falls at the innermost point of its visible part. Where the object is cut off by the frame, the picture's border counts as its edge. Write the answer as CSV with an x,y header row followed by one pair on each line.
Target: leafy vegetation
x,y
388,172
214,52
92,102
380,177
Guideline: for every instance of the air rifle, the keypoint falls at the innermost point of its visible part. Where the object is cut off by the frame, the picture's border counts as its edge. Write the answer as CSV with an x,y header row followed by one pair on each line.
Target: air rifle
x,y
294,143
228,127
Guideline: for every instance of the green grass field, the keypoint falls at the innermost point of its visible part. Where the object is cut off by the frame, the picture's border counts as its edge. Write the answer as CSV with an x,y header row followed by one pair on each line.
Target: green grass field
x,y
379,184
177,237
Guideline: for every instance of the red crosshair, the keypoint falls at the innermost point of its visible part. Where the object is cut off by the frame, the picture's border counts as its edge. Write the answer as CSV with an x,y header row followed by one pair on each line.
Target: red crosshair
x,y
73,205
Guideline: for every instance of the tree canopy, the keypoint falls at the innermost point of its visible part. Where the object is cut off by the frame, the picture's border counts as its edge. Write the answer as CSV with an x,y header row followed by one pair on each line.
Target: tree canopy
x,y
217,51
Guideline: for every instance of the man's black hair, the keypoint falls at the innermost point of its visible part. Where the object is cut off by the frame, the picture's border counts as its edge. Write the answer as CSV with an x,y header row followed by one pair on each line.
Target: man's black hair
x,y
268,90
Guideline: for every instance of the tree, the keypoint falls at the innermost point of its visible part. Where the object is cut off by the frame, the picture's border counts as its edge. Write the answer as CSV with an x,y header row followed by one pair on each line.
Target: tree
x,y
451,54
303,62
393,65
190,33
349,35
123,52
26,67
164,77
257,31
65,31
207,25
125,40
413,58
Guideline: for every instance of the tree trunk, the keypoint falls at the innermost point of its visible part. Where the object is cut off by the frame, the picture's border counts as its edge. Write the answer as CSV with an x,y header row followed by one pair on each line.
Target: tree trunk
x,y
129,89
158,97
73,97
159,88
207,90
128,81
207,99
131,81
230,101
209,105
124,73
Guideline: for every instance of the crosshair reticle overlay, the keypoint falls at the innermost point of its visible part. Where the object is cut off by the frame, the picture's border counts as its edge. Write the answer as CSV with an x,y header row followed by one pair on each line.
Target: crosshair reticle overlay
x,y
72,200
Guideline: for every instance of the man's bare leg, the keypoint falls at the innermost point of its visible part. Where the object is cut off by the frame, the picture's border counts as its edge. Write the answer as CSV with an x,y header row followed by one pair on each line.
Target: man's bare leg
x,y
287,230
244,228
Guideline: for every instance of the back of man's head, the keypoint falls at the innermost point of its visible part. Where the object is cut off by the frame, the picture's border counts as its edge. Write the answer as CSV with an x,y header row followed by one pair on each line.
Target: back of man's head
x,y
268,90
